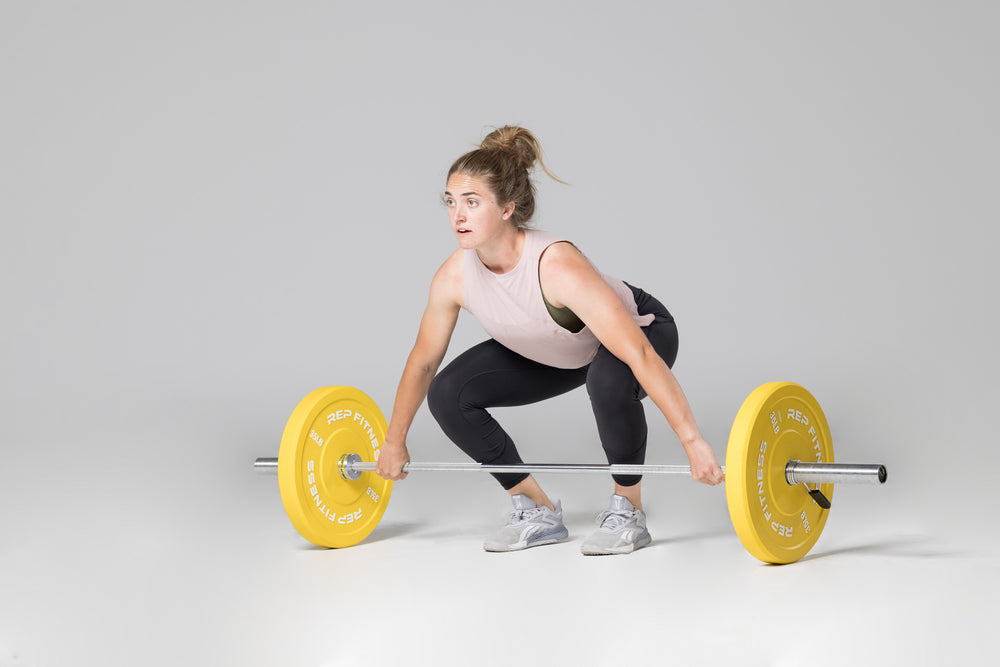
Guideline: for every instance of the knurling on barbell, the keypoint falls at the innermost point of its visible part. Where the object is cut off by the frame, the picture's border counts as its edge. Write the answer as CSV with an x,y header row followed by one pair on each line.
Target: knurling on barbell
x,y
779,445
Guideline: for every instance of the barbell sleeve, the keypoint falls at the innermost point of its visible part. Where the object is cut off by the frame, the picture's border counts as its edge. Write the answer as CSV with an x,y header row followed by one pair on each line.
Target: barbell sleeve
x,y
799,472
266,464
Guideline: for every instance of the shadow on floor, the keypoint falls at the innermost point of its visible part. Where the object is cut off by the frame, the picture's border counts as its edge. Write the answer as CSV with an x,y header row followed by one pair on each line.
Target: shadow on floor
x,y
384,531
388,531
904,546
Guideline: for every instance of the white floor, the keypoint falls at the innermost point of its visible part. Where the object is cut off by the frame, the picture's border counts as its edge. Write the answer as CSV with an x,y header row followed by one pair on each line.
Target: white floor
x,y
202,567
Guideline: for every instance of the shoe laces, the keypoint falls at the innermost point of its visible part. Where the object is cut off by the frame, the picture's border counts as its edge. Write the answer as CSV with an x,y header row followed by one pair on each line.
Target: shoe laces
x,y
612,520
520,516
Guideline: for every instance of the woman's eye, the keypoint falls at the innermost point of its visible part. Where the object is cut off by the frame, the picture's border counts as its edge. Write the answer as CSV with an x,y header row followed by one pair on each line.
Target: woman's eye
x,y
473,203
449,202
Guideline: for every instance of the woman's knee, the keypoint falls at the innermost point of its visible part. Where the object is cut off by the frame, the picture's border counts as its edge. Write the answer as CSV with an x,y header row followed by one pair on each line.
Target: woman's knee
x,y
663,337
613,385
442,396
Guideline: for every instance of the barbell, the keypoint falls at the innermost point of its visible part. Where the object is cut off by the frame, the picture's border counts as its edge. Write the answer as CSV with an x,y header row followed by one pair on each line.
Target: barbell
x,y
780,469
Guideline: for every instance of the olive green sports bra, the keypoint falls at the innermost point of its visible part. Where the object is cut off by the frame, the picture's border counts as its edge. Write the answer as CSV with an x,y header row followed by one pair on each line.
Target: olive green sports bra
x,y
564,317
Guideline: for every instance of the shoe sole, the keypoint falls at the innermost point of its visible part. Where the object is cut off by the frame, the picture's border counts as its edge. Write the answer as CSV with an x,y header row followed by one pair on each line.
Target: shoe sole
x,y
643,541
521,546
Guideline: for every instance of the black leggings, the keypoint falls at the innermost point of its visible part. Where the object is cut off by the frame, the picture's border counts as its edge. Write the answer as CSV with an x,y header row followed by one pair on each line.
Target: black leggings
x,y
490,375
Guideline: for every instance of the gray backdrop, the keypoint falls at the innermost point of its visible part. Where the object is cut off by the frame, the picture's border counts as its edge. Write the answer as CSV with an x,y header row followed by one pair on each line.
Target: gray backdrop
x,y
211,208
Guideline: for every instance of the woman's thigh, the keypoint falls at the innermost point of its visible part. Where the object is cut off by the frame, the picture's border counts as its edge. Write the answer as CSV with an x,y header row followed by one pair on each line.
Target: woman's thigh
x,y
490,375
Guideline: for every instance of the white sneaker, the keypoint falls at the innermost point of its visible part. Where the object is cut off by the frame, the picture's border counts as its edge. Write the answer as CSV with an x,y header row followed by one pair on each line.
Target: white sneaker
x,y
529,526
621,530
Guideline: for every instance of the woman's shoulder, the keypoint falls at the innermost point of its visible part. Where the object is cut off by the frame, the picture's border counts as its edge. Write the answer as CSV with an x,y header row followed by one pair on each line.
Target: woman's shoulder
x,y
452,267
543,237
562,253
554,246
448,278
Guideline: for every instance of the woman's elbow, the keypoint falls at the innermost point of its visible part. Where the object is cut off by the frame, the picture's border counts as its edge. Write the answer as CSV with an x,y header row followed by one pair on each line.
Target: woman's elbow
x,y
642,358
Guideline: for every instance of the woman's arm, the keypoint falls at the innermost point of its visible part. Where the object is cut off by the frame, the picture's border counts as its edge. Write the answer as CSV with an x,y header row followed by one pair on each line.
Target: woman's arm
x,y
436,327
569,280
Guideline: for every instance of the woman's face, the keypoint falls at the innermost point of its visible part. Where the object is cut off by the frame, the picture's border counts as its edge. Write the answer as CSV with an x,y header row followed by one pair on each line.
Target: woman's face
x,y
476,218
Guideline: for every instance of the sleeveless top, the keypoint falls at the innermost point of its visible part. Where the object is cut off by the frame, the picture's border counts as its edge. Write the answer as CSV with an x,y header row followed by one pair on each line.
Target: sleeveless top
x,y
511,309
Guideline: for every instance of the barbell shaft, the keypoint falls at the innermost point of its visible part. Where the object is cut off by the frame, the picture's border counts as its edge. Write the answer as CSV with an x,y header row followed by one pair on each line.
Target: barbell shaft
x,y
616,469
267,464
796,472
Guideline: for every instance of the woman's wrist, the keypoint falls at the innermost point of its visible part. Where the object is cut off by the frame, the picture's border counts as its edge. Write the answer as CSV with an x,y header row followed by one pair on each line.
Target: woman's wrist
x,y
689,437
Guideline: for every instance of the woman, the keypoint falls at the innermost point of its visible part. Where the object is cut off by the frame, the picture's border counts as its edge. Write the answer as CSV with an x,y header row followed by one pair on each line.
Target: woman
x,y
556,324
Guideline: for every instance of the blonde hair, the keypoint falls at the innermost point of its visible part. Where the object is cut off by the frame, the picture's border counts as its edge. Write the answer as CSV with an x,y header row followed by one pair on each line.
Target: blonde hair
x,y
503,161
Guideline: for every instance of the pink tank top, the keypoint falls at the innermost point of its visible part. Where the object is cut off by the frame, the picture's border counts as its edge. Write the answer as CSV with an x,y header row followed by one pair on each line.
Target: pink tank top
x,y
510,308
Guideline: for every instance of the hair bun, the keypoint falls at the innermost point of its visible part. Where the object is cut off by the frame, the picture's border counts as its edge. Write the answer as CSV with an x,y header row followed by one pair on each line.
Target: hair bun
x,y
515,141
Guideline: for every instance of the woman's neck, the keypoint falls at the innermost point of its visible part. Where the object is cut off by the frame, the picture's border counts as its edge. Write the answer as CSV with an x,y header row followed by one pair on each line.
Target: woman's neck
x,y
504,253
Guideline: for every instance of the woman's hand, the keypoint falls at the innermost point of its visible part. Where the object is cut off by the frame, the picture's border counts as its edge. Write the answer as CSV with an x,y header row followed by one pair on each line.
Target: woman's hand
x,y
704,467
391,460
